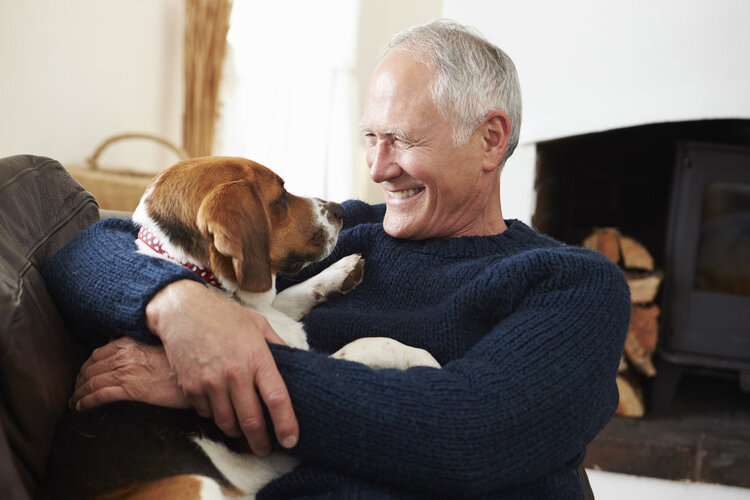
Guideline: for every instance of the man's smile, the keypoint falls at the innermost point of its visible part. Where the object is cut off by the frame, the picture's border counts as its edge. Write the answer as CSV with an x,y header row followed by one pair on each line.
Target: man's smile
x,y
405,193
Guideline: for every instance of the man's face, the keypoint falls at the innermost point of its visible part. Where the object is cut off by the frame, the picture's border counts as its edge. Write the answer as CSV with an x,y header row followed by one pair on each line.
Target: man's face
x,y
431,187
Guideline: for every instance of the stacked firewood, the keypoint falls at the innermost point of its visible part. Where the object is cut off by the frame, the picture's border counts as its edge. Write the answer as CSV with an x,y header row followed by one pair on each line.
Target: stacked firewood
x,y
644,281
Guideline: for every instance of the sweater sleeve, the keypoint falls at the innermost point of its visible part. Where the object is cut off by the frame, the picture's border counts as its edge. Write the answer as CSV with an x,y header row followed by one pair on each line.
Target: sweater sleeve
x,y
101,285
523,402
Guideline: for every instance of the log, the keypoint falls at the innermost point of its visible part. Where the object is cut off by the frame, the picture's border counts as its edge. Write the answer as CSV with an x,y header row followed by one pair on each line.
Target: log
x,y
640,343
631,397
642,337
623,364
643,286
644,325
635,255
605,240
617,247
638,356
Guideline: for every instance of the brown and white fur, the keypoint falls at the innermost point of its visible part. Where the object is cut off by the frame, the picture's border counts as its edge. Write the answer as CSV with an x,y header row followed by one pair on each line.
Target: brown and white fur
x,y
232,216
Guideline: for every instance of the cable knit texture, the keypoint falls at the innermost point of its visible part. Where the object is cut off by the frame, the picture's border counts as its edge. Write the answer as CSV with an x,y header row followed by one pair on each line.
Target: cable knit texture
x,y
529,332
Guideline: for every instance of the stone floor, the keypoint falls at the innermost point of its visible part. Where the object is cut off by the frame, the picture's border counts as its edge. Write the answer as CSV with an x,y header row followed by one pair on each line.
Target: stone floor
x,y
704,437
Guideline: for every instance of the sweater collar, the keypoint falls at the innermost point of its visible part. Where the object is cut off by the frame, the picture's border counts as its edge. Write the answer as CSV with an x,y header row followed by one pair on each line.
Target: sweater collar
x,y
518,237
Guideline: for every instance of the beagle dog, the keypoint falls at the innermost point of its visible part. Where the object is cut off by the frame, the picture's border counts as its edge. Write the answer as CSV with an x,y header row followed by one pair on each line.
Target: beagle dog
x,y
230,221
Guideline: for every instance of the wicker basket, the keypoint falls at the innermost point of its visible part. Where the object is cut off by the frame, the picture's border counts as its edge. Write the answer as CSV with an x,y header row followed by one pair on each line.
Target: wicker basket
x,y
118,189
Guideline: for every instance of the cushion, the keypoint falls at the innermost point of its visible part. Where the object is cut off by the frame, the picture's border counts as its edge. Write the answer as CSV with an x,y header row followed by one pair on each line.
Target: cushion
x,y
41,209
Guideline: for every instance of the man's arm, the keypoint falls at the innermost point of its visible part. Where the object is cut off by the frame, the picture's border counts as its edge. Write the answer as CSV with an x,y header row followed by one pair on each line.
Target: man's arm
x,y
101,285
521,404
218,350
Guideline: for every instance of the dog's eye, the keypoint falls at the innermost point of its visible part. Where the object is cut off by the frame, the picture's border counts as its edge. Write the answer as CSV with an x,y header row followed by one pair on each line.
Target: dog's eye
x,y
281,201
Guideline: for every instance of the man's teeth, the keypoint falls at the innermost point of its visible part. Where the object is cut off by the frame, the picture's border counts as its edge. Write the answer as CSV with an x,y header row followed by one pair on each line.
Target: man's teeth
x,y
406,193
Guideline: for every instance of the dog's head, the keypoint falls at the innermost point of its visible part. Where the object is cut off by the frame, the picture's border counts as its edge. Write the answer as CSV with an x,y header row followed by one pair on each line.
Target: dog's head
x,y
234,215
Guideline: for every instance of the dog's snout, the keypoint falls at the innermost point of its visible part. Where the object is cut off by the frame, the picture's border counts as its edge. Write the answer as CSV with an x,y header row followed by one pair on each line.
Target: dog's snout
x,y
336,210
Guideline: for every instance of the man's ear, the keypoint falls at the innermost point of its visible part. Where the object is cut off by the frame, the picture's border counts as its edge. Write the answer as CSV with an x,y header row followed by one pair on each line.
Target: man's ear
x,y
233,219
495,136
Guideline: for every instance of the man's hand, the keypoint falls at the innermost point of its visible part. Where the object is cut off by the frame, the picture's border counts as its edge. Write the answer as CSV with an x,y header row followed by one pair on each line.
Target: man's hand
x,y
222,362
126,369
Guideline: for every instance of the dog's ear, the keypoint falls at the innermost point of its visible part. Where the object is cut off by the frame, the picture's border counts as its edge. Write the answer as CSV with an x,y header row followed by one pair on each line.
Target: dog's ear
x,y
232,217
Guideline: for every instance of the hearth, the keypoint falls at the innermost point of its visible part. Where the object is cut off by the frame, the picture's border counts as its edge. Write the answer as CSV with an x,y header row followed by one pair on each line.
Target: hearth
x,y
683,190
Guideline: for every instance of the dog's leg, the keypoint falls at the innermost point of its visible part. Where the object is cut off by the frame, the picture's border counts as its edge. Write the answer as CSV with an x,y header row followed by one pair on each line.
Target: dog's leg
x,y
187,487
337,279
383,352
247,472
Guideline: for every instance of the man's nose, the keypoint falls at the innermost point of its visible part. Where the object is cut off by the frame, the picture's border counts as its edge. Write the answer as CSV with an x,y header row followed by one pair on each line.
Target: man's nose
x,y
382,163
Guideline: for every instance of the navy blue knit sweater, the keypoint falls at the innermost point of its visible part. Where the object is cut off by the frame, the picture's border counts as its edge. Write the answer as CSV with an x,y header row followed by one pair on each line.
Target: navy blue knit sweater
x,y
529,332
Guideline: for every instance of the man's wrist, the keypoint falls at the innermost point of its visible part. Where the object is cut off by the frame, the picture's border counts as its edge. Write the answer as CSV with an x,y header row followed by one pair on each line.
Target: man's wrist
x,y
168,302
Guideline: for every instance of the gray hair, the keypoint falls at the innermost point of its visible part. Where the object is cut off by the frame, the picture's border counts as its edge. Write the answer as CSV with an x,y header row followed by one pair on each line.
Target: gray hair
x,y
472,76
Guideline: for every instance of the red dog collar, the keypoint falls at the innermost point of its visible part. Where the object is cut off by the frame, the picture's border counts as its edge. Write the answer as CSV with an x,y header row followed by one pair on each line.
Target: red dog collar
x,y
151,240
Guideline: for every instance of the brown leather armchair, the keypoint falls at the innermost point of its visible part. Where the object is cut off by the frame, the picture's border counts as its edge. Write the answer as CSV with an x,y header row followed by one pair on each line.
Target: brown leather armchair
x,y
41,209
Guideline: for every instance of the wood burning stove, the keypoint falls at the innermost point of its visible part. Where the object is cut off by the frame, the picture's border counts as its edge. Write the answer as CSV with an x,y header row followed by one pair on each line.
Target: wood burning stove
x,y
706,294
683,190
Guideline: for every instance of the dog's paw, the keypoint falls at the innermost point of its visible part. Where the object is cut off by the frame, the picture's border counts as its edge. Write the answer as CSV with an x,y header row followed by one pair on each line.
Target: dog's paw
x,y
383,352
337,279
340,277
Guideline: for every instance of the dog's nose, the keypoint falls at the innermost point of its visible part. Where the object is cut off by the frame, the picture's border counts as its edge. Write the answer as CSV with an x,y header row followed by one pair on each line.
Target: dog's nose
x,y
336,210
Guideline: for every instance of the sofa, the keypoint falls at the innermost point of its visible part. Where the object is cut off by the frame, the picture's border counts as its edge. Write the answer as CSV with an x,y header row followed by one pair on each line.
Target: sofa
x,y
41,209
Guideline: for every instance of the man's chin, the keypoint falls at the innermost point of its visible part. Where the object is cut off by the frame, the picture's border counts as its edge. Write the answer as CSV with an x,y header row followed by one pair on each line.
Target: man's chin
x,y
400,227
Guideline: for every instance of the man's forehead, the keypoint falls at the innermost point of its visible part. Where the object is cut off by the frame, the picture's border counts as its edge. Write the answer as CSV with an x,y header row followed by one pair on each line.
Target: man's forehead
x,y
399,102
398,76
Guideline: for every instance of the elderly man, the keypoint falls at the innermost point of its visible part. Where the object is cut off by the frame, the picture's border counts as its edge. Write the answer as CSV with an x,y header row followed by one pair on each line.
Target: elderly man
x,y
529,331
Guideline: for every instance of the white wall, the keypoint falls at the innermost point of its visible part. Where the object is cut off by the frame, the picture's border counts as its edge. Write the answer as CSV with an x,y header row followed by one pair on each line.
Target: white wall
x,y
74,72
592,65
589,65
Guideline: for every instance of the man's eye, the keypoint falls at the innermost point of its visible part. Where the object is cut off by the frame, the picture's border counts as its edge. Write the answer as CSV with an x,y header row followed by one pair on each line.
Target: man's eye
x,y
401,142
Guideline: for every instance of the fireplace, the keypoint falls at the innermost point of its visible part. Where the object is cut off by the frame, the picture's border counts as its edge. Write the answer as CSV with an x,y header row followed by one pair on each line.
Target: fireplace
x,y
683,190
